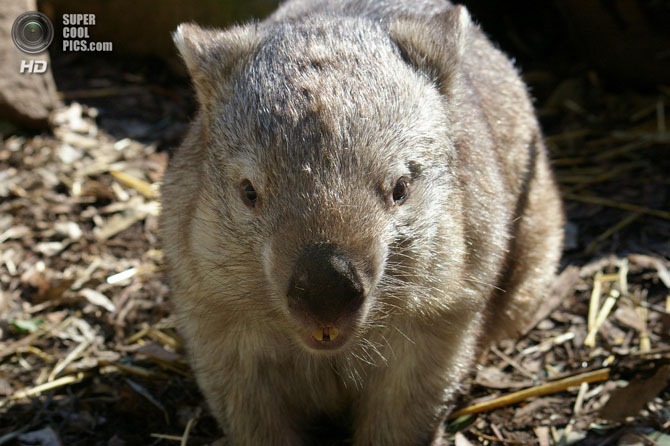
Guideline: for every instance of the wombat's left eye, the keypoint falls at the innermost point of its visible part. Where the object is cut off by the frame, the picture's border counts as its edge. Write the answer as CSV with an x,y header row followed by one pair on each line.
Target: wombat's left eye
x,y
401,190
249,195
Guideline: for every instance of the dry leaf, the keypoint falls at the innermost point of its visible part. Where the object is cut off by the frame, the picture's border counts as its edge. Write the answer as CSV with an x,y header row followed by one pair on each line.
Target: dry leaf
x,y
628,401
42,437
99,299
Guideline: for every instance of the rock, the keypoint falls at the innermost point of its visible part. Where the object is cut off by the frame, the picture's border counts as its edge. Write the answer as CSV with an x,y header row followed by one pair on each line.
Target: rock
x,y
25,99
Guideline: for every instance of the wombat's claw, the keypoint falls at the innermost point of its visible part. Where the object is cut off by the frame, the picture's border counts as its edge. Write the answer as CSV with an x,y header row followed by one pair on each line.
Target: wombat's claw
x,y
325,334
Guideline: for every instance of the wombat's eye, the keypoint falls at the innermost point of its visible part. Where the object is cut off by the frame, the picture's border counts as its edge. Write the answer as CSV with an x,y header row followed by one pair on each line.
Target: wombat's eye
x,y
401,190
249,195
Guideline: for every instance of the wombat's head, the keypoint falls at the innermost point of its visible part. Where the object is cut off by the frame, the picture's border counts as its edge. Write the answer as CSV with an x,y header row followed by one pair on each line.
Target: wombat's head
x,y
330,202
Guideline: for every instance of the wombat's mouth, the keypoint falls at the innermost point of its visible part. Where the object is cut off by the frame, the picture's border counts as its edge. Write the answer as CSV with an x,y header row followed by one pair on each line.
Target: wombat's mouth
x,y
325,339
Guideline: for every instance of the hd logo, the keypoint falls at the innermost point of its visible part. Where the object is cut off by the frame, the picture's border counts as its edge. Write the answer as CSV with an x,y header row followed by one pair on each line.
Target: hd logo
x,y
32,33
33,66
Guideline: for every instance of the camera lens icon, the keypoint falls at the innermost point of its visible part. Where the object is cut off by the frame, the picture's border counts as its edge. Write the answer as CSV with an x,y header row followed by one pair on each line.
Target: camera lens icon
x,y
32,32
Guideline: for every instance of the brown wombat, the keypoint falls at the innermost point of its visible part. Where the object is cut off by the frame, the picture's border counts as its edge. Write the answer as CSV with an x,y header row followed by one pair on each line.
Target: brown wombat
x,y
362,202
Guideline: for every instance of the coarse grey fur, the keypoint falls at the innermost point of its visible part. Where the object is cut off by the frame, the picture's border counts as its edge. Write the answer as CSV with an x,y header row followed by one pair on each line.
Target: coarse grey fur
x,y
385,147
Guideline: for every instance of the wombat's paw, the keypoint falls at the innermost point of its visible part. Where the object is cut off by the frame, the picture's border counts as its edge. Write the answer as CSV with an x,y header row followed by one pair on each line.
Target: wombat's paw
x,y
220,442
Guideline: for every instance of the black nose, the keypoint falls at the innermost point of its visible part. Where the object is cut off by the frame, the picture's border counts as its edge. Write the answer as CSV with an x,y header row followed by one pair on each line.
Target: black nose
x,y
325,285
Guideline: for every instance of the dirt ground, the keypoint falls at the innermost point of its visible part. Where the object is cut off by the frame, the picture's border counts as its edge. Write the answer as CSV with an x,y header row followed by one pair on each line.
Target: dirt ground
x,y
88,351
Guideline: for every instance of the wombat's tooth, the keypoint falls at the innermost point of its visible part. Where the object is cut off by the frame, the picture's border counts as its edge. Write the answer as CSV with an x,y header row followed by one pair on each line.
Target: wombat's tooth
x,y
333,332
325,334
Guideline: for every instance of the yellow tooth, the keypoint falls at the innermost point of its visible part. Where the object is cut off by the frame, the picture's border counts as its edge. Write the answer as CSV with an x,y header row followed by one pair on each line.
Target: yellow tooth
x,y
325,334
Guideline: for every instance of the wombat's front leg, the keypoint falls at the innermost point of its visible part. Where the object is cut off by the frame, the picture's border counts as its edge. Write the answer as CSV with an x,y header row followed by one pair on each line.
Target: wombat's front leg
x,y
242,390
248,410
405,401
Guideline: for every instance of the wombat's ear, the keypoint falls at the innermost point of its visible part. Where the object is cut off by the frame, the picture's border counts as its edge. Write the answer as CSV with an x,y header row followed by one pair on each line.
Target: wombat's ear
x,y
434,46
211,56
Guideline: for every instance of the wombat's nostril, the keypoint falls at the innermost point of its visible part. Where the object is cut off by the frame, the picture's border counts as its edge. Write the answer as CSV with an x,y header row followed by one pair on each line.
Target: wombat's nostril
x,y
325,284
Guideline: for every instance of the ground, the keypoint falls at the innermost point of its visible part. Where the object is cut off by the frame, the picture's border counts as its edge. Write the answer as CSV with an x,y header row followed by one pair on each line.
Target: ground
x,y
89,354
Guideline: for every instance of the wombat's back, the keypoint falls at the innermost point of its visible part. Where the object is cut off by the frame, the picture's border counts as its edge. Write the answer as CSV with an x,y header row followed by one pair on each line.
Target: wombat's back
x,y
376,10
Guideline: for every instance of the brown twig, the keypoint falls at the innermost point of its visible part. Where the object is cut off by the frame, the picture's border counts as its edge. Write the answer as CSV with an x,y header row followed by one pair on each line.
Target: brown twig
x,y
541,390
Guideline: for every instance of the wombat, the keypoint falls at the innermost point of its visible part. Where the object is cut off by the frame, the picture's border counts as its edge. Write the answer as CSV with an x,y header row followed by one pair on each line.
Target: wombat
x,y
362,203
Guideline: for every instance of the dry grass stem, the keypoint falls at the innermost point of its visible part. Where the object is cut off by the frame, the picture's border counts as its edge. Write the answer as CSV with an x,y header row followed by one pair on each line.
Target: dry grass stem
x,y
541,390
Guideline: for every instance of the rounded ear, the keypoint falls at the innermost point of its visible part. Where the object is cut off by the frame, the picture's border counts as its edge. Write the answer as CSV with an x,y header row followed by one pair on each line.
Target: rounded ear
x,y
434,46
212,56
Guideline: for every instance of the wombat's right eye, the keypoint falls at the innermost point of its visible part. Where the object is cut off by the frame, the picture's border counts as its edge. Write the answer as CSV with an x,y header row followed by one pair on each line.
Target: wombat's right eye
x,y
249,195
401,190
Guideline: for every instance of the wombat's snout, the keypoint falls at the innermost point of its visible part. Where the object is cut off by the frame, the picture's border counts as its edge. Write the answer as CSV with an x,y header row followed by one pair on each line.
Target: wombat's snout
x,y
325,293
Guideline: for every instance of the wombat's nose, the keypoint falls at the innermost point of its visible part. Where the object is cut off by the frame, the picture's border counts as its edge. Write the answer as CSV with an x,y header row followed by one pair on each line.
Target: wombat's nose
x,y
325,284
